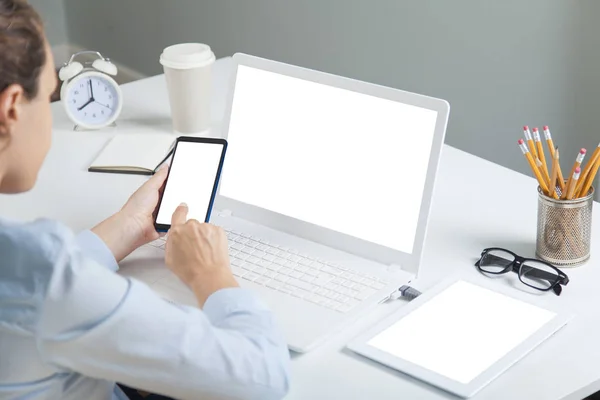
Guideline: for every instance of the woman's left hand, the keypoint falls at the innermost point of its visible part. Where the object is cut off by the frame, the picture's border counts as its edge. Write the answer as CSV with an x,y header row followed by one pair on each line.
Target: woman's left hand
x,y
133,226
141,205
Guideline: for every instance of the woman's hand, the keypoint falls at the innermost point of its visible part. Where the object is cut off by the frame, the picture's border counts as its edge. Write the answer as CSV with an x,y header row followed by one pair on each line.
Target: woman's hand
x,y
133,226
198,254
141,205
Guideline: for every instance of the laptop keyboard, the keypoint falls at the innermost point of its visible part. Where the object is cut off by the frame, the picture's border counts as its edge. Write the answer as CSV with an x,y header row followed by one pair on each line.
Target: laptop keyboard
x,y
295,274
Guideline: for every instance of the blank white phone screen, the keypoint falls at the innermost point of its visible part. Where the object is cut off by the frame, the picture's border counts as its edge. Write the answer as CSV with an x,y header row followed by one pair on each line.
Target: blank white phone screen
x,y
346,161
191,180
462,331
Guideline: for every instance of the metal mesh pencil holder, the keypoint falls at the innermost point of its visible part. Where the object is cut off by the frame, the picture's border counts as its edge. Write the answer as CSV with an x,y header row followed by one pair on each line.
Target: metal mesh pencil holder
x,y
564,229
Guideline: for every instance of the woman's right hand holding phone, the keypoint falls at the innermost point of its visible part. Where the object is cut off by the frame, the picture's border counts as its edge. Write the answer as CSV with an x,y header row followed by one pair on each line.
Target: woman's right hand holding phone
x,y
198,253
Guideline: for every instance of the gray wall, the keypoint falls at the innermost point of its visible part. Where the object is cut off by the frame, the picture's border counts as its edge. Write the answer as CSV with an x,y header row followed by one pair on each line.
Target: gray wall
x,y
53,13
500,64
586,94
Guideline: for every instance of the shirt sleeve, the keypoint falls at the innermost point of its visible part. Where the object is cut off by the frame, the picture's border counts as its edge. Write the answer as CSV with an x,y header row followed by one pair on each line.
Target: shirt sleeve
x,y
104,326
95,248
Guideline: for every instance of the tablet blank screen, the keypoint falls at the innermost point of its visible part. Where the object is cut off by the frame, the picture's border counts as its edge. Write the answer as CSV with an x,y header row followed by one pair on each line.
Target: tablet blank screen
x,y
462,331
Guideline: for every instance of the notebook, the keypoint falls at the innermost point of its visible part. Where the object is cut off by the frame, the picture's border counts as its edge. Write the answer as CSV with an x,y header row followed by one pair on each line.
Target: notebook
x,y
134,153
460,335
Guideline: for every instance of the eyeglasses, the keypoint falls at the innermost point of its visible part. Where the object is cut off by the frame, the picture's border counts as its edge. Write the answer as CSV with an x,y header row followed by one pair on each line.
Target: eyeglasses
x,y
534,273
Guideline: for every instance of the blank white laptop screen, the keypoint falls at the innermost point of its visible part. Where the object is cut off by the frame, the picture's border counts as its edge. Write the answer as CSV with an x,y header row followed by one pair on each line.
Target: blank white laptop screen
x,y
342,160
462,331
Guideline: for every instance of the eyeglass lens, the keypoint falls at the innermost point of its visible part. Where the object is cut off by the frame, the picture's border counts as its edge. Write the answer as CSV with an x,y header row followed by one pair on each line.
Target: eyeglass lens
x,y
496,261
538,275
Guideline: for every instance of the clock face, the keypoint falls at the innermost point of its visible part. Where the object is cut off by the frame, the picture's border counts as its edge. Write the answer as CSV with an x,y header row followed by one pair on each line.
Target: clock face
x,y
93,100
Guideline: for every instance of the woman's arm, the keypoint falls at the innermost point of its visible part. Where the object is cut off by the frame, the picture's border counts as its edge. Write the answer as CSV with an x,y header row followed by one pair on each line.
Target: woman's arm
x,y
103,326
133,225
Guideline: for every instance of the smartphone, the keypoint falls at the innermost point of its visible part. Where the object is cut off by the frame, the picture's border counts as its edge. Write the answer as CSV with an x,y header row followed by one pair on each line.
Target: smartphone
x,y
193,179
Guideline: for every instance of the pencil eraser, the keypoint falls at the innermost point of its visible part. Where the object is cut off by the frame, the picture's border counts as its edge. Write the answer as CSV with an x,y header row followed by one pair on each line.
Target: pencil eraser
x,y
546,127
525,128
521,141
577,170
582,151
535,129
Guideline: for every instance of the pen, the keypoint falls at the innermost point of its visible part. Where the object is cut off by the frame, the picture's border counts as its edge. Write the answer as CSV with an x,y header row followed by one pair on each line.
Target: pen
x,y
540,150
571,187
529,140
577,164
554,174
535,170
586,171
561,179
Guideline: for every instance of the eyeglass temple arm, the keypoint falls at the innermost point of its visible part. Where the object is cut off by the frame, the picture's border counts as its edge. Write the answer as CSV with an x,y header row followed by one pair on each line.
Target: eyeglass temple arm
x,y
549,276
534,272
557,289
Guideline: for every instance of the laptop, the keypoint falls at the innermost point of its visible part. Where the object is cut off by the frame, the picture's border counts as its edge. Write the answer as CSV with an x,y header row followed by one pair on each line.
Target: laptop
x,y
325,193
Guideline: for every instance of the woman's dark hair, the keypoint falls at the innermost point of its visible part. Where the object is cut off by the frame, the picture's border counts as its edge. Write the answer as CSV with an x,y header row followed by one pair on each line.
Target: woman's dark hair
x,y
22,46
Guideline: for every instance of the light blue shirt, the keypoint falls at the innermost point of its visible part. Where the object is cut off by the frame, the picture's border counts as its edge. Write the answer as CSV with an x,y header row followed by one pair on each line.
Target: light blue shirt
x,y
70,327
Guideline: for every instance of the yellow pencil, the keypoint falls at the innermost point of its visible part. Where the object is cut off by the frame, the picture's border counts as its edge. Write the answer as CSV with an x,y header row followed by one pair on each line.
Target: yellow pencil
x,y
589,180
535,170
571,187
586,171
546,177
548,135
530,143
540,149
554,174
577,164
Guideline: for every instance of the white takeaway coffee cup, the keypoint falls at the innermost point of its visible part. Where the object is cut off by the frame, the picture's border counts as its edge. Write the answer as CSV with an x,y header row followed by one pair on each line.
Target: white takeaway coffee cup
x,y
187,69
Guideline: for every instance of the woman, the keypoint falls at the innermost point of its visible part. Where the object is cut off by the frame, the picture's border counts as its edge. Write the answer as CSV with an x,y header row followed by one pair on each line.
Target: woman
x,y
69,326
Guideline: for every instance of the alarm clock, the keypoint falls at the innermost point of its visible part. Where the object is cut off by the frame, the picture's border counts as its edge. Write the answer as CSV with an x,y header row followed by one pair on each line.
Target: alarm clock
x,y
91,97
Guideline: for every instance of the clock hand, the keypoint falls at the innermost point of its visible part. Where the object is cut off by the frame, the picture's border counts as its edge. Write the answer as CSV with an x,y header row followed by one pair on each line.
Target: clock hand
x,y
91,90
104,105
90,101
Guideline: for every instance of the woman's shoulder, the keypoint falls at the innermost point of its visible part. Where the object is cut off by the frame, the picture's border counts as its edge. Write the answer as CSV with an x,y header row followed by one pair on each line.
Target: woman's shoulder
x,y
29,254
33,235
33,245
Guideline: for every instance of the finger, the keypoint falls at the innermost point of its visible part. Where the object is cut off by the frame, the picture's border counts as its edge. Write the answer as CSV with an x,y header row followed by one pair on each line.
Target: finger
x,y
221,231
154,235
213,232
222,235
157,180
180,215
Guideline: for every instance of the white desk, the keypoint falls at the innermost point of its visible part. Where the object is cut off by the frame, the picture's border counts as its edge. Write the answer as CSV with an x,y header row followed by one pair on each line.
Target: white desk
x,y
477,204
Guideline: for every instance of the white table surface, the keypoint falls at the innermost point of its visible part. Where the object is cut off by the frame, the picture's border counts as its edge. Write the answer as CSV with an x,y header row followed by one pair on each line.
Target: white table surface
x,y
476,204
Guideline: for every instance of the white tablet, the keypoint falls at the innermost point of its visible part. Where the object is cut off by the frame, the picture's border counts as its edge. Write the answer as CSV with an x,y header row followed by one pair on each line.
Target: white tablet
x,y
459,335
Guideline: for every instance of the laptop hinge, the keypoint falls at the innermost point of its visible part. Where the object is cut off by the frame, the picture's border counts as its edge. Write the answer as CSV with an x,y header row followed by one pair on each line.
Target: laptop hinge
x,y
394,268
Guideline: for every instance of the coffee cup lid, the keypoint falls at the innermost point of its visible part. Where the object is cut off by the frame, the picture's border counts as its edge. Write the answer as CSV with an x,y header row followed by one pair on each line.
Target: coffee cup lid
x,y
187,55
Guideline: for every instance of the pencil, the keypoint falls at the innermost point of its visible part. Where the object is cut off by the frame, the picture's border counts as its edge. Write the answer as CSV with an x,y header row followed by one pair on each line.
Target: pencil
x,y
589,180
529,139
554,174
546,177
535,170
586,171
577,164
571,187
540,149
548,135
